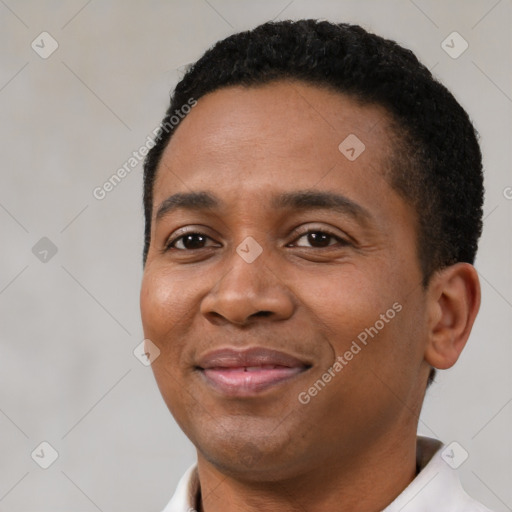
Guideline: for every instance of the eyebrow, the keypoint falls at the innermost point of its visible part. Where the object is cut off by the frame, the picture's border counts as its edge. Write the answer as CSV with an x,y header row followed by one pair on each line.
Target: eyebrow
x,y
297,200
313,199
188,201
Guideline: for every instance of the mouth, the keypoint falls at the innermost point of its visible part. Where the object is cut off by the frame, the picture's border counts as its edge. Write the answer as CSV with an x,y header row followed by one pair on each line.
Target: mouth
x,y
245,373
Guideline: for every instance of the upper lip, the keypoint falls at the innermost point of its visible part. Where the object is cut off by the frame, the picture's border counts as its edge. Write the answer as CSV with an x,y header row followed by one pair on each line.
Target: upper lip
x,y
255,356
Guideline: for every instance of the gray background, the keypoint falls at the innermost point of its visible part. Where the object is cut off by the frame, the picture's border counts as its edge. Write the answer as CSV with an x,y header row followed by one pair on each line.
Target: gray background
x,y
69,324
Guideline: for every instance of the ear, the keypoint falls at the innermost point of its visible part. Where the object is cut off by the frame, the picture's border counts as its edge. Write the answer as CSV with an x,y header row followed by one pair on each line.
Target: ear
x,y
454,300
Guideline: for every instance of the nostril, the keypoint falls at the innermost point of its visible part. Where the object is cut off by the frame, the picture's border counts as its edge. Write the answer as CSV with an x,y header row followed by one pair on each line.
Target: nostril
x,y
263,313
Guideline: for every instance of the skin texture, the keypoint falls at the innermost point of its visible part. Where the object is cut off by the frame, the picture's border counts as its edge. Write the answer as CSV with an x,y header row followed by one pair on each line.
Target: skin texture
x,y
354,442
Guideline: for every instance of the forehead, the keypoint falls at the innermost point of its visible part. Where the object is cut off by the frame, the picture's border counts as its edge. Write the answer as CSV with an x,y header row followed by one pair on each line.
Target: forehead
x,y
282,134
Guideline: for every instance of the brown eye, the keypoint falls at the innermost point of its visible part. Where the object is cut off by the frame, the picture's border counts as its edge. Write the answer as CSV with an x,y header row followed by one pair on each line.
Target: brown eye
x,y
189,242
319,239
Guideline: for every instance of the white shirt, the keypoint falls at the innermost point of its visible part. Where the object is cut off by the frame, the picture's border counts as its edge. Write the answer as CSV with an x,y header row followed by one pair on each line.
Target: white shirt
x,y
436,488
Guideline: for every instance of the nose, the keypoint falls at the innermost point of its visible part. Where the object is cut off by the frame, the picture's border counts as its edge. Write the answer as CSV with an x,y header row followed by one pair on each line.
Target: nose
x,y
246,293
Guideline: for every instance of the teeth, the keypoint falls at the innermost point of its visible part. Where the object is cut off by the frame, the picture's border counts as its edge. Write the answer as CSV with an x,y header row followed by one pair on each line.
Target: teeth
x,y
256,368
251,368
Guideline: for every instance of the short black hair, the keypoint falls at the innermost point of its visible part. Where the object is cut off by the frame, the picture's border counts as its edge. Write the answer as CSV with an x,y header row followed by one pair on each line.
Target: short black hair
x,y
437,163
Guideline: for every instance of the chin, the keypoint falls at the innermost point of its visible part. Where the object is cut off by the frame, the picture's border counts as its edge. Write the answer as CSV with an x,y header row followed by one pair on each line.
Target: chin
x,y
254,458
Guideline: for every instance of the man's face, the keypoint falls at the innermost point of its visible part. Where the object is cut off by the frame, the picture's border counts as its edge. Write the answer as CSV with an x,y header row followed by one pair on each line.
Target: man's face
x,y
272,262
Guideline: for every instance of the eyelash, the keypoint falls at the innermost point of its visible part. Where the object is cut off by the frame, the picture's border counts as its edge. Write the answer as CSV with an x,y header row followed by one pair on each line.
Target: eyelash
x,y
341,241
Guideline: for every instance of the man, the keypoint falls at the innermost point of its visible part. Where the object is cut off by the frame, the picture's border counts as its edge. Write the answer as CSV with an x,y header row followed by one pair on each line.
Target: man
x,y
313,205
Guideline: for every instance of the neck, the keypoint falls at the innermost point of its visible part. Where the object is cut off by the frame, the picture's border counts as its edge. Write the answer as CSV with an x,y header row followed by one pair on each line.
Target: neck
x,y
363,482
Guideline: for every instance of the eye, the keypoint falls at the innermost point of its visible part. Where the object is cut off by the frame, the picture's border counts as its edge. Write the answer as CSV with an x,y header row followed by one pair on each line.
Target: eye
x,y
318,238
188,242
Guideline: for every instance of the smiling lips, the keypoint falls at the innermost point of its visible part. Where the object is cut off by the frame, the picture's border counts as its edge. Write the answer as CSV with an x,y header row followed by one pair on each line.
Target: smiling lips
x,y
247,372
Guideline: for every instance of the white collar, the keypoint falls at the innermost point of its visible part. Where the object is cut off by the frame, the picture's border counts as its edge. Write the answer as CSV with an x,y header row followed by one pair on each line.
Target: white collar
x,y
436,488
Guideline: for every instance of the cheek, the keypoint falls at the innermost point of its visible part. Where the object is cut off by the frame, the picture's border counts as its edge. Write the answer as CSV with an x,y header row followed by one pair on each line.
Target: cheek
x,y
369,315
167,311
164,307
345,301
164,300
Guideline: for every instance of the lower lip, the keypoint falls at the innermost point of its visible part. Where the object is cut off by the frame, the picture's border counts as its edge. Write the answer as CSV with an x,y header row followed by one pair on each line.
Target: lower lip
x,y
239,382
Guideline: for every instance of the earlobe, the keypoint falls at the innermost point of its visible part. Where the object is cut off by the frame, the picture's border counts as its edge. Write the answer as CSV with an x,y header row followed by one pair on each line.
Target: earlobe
x,y
454,300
